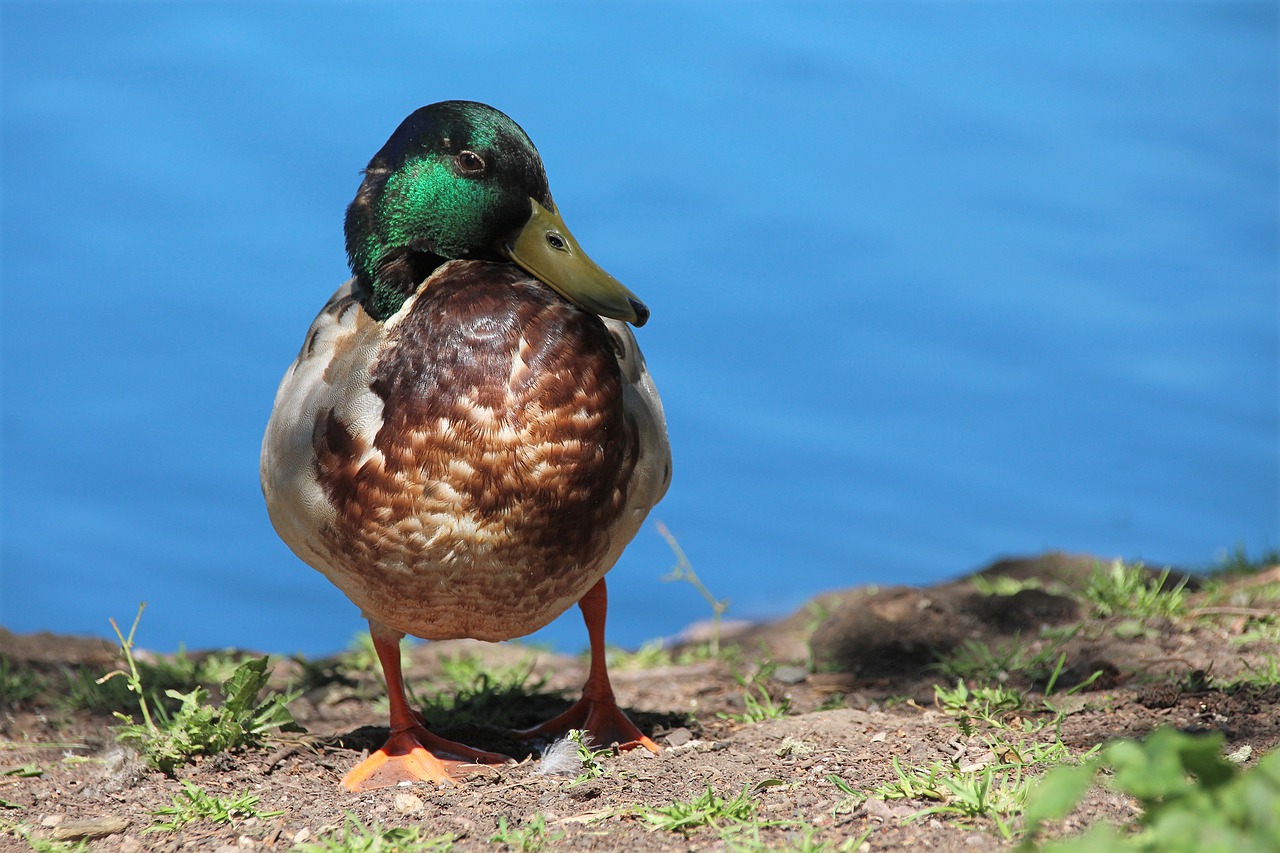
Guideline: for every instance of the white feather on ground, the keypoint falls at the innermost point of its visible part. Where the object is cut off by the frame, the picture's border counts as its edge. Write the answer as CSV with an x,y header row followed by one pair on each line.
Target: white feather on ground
x,y
560,759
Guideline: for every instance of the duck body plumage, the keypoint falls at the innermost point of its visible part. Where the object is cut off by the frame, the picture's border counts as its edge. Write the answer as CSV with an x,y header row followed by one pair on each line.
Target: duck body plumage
x,y
473,464
469,436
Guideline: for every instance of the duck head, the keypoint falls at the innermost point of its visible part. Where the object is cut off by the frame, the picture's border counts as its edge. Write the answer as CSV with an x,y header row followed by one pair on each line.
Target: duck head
x,y
461,180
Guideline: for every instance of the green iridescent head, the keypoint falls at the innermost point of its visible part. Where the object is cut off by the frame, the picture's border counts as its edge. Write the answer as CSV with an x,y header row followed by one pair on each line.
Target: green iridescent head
x,y
459,179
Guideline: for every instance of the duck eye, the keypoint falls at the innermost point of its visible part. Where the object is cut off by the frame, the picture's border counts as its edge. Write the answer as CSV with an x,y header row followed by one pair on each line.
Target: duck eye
x,y
469,162
555,241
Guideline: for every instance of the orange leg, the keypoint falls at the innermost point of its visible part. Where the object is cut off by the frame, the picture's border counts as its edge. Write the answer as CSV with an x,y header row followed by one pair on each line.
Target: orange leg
x,y
597,712
411,753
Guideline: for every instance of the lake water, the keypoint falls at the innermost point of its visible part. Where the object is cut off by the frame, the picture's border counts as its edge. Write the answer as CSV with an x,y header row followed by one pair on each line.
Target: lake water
x,y
931,282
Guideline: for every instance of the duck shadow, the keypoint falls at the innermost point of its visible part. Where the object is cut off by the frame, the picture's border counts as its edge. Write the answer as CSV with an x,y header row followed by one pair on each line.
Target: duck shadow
x,y
490,721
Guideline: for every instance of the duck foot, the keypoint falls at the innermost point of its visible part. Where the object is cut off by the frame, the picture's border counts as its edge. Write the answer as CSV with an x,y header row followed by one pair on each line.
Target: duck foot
x,y
602,720
415,755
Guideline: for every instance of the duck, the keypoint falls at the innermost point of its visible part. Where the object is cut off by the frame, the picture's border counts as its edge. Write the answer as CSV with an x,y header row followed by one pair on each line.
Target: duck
x,y
469,436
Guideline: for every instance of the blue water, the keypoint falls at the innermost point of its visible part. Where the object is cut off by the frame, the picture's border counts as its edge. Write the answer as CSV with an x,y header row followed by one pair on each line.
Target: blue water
x,y
931,283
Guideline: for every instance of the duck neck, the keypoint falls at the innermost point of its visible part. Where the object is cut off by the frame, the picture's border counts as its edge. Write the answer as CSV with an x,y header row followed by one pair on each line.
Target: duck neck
x,y
398,275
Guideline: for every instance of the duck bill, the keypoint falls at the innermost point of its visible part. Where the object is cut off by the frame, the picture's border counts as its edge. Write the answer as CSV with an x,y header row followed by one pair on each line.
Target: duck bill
x,y
546,249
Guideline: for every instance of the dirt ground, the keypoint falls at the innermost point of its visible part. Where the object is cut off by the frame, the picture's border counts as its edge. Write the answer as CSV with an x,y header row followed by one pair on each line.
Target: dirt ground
x,y
858,669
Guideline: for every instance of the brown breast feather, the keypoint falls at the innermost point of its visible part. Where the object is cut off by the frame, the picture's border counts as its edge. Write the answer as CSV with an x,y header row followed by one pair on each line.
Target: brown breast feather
x,y
503,460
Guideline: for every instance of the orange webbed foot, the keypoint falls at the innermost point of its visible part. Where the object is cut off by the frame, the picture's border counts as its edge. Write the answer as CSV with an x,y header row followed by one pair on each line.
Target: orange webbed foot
x,y
416,755
601,719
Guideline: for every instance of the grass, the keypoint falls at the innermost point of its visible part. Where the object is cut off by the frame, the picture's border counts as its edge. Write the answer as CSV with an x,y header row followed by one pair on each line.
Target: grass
x,y
914,783
25,771
651,655
314,674
993,706
852,799
11,774
1231,593
474,692
1003,584
1006,724
683,571
1238,562
1266,631
83,691
708,809
356,837
802,839
531,837
994,791
999,706
758,703
995,784
588,756
1266,673
1125,593
737,822
194,804
360,656
655,654
166,740
469,672
17,686
990,662
1128,591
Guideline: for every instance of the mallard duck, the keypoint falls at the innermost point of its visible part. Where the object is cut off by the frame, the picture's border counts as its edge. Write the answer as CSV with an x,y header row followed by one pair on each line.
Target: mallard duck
x,y
469,436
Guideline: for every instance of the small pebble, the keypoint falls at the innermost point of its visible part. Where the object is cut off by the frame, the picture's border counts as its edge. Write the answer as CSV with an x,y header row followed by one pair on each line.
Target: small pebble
x,y
790,674
877,809
678,737
586,790
791,746
407,803
1241,755
99,827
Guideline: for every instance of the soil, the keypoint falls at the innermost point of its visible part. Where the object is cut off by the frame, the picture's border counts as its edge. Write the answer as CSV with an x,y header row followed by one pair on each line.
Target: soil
x,y
858,669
